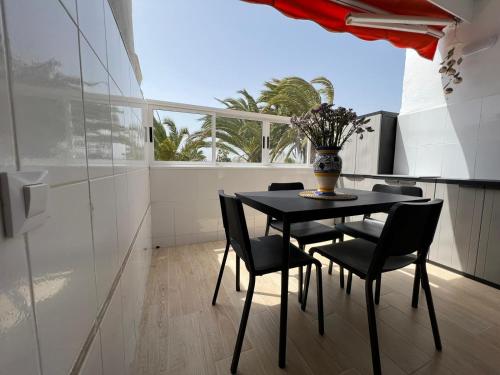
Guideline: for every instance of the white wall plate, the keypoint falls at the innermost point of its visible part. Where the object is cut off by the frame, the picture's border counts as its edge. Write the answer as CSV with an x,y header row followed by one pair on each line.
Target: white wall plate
x,y
24,197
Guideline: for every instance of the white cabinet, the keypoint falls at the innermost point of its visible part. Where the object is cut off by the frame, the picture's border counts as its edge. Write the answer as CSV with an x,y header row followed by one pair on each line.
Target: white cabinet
x,y
488,259
374,153
457,236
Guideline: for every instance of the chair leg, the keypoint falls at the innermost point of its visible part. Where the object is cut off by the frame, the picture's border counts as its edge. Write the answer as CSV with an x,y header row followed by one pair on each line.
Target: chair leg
x,y
301,278
378,283
221,271
301,283
319,287
416,287
330,265
330,268
430,305
243,325
306,288
349,283
372,325
341,277
238,273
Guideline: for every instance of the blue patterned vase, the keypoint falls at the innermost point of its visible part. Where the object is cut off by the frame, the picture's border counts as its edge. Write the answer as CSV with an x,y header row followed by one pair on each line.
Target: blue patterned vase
x,y
327,167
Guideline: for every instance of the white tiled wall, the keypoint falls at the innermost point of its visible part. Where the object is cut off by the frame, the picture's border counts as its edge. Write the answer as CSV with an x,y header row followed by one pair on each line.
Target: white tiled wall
x,y
185,205
454,141
457,135
83,122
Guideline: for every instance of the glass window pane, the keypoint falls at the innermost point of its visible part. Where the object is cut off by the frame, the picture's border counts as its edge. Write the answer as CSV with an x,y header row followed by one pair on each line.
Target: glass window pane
x,y
238,141
180,136
287,146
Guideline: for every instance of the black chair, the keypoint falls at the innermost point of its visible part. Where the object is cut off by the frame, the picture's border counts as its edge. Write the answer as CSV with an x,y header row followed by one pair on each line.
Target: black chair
x,y
305,233
405,239
370,229
261,255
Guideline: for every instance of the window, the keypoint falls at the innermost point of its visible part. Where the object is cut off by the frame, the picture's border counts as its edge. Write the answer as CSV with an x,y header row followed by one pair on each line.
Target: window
x,y
182,136
238,140
187,133
287,145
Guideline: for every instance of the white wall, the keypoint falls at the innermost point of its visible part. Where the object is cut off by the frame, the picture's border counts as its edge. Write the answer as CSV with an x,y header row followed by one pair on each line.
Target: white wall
x,y
77,112
185,205
456,135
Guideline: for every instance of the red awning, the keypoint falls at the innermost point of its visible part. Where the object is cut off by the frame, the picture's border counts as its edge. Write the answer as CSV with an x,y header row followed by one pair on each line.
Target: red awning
x,y
332,15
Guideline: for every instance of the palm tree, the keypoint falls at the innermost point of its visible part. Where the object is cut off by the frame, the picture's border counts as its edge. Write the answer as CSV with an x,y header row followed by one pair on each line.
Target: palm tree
x,y
294,96
177,144
240,140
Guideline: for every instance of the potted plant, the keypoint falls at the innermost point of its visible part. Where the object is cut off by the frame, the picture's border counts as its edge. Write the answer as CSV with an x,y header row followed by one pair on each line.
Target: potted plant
x,y
328,129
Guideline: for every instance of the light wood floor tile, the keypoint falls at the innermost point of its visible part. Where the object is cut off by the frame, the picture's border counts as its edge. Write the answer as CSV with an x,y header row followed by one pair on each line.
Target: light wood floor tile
x,y
182,333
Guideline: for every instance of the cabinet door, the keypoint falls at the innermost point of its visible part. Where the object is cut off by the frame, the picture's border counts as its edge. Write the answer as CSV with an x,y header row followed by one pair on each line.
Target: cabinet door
x,y
488,259
367,149
457,236
348,155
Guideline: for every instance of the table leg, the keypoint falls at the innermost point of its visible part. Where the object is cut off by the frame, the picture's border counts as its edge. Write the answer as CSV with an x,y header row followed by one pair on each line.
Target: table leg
x,y
284,294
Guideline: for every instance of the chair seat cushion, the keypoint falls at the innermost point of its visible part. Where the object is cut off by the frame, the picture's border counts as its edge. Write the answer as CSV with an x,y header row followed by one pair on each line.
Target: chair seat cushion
x,y
368,229
267,255
356,256
309,231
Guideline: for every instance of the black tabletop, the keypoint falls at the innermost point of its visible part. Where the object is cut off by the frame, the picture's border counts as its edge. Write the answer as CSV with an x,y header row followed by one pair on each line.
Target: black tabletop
x,y
288,204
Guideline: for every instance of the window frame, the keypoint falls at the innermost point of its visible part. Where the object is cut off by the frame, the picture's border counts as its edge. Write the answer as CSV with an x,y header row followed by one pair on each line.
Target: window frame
x,y
265,119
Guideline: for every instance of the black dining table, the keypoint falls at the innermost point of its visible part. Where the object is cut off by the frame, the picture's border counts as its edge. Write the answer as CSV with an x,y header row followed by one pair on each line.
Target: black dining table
x,y
287,206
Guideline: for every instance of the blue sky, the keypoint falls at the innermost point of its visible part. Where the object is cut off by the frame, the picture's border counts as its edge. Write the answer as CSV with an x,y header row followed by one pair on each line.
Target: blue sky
x,y
194,51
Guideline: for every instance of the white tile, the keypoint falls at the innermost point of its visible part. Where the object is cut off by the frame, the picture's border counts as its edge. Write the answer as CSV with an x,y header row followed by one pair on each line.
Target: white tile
x,y
118,62
488,150
207,236
70,6
97,114
185,216
120,131
429,160
112,340
129,302
138,200
7,159
208,182
163,241
125,233
92,364
46,89
91,23
102,197
163,219
207,215
18,350
186,239
463,122
63,277
459,160
430,127
173,185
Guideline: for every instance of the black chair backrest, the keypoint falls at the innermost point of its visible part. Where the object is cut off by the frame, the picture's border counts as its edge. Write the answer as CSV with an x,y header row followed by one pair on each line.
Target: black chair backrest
x,y
235,226
409,227
414,191
285,186
275,186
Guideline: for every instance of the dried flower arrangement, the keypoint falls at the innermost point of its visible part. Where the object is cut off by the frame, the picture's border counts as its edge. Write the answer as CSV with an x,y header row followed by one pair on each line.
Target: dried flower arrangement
x,y
326,126
450,70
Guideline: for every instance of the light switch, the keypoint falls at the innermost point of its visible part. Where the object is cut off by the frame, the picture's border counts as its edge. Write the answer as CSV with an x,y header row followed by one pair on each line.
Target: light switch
x,y
35,199
24,197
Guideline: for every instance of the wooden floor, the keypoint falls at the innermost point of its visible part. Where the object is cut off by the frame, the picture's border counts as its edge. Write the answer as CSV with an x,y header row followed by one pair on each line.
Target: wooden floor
x,y
182,333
